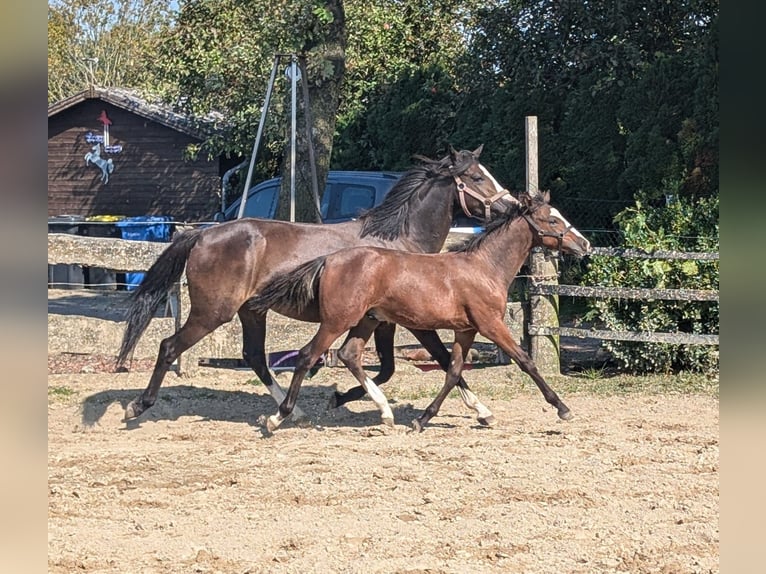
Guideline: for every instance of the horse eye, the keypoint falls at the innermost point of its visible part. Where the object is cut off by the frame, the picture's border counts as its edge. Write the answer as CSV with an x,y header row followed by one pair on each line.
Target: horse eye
x,y
477,178
553,221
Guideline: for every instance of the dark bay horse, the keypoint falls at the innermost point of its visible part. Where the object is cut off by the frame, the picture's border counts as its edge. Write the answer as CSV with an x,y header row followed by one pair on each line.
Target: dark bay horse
x,y
464,290
228,264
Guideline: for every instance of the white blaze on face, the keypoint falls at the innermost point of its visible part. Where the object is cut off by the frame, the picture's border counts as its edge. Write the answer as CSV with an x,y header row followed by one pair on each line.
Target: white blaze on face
x,y
556,213
498,187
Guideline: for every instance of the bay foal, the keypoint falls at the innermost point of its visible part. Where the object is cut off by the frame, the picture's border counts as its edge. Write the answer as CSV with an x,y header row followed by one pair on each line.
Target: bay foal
x,y
466,291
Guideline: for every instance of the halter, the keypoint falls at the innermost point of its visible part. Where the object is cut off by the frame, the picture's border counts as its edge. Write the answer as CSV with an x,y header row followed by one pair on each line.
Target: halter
x,y
544,233
462,189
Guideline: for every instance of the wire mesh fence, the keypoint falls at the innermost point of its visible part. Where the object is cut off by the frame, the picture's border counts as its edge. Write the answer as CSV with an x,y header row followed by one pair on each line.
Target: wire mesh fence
x,y
594,218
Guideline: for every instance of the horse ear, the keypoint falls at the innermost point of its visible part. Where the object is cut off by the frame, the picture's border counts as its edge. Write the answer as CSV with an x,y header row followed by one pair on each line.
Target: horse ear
x,y
452,154
477,151
526,199
547,196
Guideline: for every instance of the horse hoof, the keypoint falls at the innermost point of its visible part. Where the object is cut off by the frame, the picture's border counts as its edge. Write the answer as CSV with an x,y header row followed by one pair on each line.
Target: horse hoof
x,y
388,421
416,426
486,421
272,423
132,410
565,414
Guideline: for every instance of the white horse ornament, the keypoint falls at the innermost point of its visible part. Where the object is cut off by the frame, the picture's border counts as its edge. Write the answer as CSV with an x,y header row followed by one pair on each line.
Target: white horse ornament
x,y
105,165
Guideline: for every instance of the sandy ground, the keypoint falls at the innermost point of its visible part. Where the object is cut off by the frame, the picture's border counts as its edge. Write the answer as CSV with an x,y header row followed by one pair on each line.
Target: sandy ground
x,y
631,484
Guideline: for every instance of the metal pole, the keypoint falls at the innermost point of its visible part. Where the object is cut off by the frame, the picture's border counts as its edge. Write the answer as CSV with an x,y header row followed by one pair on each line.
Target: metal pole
x,y
310,139
265,108
293,113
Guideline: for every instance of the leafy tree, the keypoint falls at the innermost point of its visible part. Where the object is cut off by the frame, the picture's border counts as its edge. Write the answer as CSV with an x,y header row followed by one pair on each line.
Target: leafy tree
x,y
625,92
406,64
219,57
104,43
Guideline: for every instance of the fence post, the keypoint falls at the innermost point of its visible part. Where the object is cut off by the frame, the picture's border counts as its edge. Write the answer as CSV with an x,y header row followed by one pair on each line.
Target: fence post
x,y
544,350
544,312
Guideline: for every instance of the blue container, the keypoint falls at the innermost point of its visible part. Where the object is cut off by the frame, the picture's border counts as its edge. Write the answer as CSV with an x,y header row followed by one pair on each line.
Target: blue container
x,y
144,228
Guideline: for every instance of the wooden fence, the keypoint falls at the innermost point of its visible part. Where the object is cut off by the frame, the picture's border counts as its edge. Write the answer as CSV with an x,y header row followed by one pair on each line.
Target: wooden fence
x,y
544,290
76,334
534,323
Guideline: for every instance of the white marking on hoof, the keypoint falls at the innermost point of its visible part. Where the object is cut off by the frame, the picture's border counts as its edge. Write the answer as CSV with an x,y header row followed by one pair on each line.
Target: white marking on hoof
x,y
389,422
472,402
379,398
273,422
133,410
278,394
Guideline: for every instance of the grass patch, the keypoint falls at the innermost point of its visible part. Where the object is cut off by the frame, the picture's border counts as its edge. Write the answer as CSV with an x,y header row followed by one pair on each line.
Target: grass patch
x,y
606,385
506,386
60,391
505,382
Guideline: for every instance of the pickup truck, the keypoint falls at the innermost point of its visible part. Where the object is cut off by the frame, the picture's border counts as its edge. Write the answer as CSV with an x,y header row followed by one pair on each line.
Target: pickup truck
x,y
346,195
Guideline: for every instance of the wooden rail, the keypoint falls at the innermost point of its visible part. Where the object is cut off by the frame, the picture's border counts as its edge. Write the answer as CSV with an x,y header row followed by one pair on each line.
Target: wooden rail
x,y
547,287
77,334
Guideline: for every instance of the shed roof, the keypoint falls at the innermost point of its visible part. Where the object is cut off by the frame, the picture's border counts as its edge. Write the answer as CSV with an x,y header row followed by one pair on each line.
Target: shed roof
x,y
131,101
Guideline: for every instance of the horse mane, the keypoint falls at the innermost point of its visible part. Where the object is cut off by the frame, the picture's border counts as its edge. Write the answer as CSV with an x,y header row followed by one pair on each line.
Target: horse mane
x,y
517,210
391,218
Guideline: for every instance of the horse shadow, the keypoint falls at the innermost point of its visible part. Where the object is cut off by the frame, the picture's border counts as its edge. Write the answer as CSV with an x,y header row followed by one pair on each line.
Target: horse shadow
x,y
241,406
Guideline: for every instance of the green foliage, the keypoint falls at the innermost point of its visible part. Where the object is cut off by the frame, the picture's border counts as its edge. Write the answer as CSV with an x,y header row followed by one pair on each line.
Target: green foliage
x,y
109,44
626,93
412,116
682,225
402,84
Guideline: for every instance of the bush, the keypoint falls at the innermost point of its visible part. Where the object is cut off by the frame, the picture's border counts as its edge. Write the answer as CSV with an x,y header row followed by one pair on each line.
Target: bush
x,y
683,225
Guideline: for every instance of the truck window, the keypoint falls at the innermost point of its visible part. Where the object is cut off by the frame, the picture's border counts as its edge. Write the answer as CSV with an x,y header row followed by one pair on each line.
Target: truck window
x,y
343,201
260,204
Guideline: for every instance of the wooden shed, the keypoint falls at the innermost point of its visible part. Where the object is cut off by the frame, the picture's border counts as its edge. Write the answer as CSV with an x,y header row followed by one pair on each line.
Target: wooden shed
x,y
112,153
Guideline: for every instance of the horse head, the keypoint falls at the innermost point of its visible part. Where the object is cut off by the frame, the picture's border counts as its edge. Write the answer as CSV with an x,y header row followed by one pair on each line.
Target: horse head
x,y
551,228
486,197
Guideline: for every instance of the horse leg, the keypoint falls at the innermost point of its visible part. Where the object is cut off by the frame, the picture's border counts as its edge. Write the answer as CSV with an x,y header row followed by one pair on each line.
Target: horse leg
x,y
384,345
460,348
170,349
350,354
307,357
434,345
499,334
254,354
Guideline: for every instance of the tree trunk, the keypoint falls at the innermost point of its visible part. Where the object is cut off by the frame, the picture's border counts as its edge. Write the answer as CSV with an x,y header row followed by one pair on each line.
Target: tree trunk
x,y
325,67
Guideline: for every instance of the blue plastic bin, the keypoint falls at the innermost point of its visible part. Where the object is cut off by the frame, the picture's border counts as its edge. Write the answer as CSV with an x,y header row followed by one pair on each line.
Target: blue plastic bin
x,y
144,228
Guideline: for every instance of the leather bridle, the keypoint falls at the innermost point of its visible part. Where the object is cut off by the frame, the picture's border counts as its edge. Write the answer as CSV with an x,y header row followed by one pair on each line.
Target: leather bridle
x,y
463,189
543,233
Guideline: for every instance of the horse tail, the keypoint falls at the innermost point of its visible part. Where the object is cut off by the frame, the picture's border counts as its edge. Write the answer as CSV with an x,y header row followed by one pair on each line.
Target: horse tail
x,y
160,277
298,288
